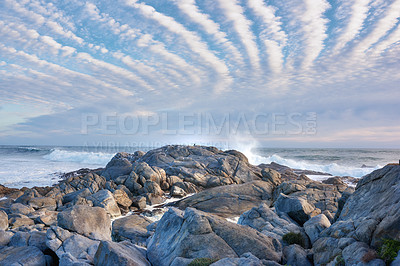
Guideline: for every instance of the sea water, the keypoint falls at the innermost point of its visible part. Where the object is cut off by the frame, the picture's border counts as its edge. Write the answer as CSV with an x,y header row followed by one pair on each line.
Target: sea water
x,y
42,165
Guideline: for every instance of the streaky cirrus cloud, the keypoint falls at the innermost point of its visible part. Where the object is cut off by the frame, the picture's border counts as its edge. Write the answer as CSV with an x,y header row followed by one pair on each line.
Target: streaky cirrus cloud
x,y
186,58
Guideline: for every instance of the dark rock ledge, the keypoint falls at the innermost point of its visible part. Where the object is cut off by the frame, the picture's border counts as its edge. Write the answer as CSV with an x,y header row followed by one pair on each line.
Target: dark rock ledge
x,y
283,216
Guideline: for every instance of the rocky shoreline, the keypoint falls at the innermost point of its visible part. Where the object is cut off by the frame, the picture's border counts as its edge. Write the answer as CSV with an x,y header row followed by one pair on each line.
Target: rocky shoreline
x,y
101,217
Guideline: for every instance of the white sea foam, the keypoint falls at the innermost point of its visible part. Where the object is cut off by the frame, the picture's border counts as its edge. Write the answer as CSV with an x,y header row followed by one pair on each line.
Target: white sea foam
x,y
91,158
333,168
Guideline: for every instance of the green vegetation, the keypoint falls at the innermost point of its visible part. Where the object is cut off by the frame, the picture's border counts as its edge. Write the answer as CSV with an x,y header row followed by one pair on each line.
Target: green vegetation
x,y
389,249
340,261
294,238
202,262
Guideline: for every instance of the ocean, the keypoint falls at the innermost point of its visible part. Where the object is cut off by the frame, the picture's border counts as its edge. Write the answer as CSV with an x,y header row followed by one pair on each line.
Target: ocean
x,y
42,165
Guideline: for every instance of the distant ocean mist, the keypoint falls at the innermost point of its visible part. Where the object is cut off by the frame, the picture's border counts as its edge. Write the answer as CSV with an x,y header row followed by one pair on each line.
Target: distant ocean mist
x,y
41,165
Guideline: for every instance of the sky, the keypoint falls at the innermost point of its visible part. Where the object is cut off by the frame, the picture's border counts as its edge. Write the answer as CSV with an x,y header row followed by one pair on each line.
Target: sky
x,y
301,73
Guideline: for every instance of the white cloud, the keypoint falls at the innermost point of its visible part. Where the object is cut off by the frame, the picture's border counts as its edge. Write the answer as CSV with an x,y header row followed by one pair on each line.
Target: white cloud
x,y
358,15
211,27
192,39
235,14
273,36
314,28
389,20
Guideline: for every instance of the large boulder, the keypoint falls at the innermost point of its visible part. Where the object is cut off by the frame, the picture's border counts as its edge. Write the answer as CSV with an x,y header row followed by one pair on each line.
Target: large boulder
x,y
29,256
18,220
203,166
246,259
296,207
3,220
229,201
370,214
72,246
92,222
123,253
120,164
122,198
43,202
5,237
268,222
195,234
295,255
132,227
356,253
146,172
272,176
20,208
105,199
73,196
322,197
315,226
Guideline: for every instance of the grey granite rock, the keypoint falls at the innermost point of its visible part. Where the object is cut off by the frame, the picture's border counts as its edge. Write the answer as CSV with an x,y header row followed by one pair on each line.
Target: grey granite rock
x,y
266,221
3,220
229,201
123,254
296,207
105,199
132,228
295,255
92,222
195,234
27,256
369,215
315,226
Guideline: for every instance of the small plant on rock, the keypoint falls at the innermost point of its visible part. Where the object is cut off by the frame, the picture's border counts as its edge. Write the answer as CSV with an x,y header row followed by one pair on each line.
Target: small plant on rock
x,y
202,262
294,238
389,249
340,261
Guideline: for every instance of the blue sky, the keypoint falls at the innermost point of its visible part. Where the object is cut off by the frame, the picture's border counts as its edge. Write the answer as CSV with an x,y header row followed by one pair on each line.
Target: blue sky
x,y
171,65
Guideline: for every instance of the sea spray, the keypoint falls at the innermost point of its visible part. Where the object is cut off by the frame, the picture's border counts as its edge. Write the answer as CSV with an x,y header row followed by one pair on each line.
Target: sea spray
x,y
90,158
